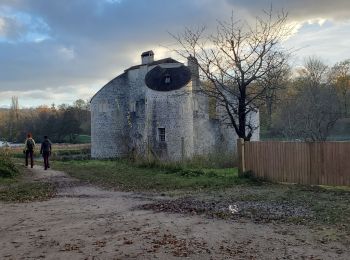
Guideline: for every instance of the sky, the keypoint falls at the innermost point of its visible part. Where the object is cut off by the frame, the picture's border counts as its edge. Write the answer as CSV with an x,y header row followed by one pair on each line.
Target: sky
x,y
58,51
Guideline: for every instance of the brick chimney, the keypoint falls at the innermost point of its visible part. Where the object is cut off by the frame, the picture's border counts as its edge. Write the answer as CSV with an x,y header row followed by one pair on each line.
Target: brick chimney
x,y
147,57
192,64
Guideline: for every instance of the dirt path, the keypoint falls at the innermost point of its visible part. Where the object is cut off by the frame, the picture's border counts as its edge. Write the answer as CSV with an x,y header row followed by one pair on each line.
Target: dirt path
x,y
86,222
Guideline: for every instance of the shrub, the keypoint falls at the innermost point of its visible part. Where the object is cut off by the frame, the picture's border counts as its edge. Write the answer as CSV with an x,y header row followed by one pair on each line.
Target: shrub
x,y
7,167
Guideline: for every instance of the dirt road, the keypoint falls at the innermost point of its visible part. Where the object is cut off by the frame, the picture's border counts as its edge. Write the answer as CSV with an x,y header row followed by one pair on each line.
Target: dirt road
x,y
86,222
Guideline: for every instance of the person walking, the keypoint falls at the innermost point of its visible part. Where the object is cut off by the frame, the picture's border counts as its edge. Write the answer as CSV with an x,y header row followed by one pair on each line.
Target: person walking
x,y
29,146
45,150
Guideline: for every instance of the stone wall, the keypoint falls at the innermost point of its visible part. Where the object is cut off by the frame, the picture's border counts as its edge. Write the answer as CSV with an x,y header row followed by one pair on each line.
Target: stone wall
x,y
109,120
171,110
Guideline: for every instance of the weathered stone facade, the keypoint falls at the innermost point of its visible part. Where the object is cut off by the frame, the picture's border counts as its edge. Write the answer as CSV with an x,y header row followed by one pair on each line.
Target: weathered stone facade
x,y
153,109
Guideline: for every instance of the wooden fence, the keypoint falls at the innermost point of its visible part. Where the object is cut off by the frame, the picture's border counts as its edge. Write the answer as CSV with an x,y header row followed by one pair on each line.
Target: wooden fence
x,y
319,163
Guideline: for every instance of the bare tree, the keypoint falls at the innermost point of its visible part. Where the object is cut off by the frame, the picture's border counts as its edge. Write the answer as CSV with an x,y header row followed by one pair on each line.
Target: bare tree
x,y
315,108
234,59
314,72
311,115
13,116
339,77
275,83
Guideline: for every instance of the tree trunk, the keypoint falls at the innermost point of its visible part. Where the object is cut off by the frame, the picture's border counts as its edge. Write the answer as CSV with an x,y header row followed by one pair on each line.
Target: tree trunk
x,y
269,115
242,116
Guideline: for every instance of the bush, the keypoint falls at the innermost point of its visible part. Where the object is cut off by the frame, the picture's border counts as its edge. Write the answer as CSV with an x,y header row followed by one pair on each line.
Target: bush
x,y
7,167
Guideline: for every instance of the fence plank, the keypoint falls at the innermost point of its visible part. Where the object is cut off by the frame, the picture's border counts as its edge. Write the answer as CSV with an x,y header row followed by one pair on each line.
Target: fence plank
x,y
323,163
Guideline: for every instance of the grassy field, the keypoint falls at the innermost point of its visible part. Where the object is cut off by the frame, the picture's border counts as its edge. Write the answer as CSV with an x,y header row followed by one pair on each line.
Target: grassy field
x,y
59,151
126,176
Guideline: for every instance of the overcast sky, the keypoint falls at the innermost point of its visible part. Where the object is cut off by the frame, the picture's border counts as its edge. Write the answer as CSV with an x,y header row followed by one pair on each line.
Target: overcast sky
x,y
57,51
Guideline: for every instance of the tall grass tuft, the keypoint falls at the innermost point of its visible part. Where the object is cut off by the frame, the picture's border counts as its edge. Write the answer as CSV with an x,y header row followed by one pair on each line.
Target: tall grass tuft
x,y
7,167
211,161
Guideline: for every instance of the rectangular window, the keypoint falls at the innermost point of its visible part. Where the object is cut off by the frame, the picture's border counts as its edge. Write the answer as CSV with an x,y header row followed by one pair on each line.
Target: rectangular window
x,y
161,133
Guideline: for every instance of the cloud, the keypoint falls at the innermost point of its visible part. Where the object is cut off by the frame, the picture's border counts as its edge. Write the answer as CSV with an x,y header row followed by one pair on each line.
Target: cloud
x,y
77,44
67,53
299,10
17,26
10,29
326,41
58,95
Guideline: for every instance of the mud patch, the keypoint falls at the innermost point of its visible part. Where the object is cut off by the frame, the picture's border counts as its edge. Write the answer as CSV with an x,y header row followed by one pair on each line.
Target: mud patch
x,y
259,212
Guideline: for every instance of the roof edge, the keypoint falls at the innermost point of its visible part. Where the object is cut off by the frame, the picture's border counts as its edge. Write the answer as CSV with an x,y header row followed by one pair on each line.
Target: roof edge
x,y
117,77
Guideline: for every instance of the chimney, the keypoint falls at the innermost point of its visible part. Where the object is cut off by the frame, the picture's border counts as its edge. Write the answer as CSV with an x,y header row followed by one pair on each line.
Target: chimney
x,y
147,57
192,64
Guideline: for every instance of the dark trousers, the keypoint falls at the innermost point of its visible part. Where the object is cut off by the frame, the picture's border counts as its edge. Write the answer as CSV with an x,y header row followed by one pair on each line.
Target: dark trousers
x,y
30,154
46,156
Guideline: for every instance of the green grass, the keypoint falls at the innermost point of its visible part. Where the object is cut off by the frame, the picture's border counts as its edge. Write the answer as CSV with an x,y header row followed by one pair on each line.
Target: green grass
x,y
124,175
84,139
16,188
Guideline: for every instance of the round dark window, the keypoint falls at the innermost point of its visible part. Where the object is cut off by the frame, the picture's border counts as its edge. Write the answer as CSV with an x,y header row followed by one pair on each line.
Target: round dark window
x,y
167,79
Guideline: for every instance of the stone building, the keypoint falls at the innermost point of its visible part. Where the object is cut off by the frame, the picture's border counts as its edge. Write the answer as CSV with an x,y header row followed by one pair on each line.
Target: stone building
x,y
154,109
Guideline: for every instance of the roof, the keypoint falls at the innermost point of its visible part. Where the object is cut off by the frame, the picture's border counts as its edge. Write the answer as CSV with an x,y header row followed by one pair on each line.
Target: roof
x,y
167,79
121,76
157,62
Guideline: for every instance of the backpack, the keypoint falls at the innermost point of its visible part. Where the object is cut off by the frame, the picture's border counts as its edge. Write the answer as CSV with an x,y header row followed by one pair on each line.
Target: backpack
x,y
30,144
46,146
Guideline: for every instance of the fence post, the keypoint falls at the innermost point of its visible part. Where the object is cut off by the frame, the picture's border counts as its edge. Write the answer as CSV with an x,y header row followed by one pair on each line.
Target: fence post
x,y
241,154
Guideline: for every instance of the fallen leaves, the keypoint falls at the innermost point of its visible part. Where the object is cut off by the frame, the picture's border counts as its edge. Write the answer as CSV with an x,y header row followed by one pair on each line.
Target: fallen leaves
x,y
70,247
179,247
257,211
99,243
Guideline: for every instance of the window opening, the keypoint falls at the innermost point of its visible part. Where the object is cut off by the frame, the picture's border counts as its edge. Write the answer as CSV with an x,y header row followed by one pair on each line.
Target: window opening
x,y
167,79
161,133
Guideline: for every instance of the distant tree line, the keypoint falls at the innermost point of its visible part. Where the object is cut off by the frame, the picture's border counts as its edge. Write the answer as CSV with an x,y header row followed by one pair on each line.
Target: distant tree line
x,y
311,101
62,123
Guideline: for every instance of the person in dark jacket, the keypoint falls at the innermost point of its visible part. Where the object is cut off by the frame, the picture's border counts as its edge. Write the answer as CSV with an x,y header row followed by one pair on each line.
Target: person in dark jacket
x,y
45,150
29,146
